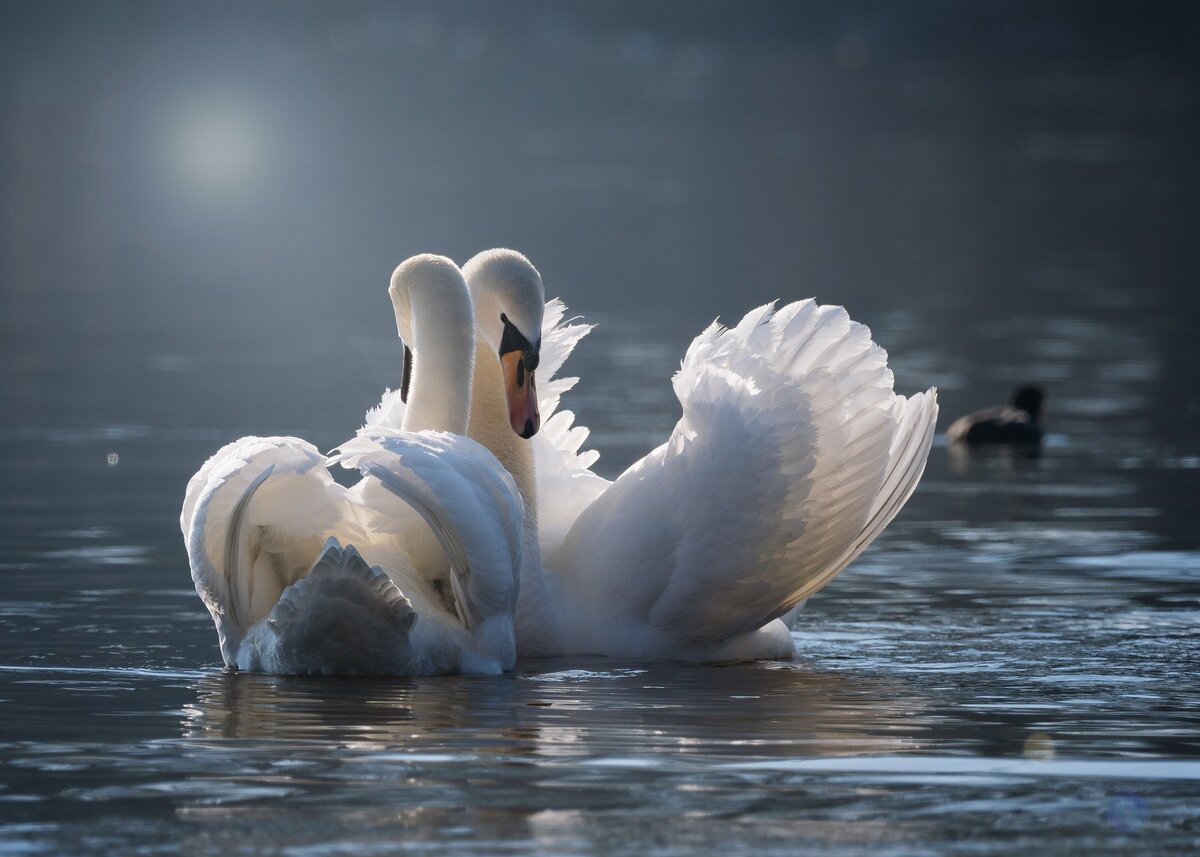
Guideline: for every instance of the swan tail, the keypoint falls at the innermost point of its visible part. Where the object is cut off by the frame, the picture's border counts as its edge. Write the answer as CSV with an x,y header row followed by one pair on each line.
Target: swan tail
x,y
470,503
254,520
791,455
344,617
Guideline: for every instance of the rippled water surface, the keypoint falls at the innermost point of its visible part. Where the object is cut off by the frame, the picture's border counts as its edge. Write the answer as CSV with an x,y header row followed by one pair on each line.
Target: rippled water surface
x,y
1013,663
1011,667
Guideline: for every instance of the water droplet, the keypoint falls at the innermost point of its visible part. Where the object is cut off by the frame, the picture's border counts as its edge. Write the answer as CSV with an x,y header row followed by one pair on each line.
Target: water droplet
x,y
113,459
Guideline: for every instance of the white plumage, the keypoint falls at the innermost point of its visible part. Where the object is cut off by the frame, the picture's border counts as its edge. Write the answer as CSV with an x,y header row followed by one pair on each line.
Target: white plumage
x,y
792,454
414,570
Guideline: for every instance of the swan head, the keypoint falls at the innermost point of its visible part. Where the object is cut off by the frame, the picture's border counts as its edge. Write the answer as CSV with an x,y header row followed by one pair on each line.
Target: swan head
x,y
509,300
425,274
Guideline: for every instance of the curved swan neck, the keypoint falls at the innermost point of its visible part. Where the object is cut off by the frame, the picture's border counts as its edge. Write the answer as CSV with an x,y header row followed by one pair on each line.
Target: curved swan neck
x,y
506,287
431,299
537,618
489,425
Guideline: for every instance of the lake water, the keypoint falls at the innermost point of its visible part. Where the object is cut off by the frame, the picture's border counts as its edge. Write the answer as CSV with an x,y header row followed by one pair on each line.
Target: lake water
x,y
1012,666
1013,663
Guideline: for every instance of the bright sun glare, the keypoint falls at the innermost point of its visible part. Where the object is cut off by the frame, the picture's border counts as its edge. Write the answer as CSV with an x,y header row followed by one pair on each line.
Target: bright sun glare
x,y
217,146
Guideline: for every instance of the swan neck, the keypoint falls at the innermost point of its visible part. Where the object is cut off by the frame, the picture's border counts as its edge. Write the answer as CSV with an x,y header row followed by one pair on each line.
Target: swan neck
x,y
489,425
443,356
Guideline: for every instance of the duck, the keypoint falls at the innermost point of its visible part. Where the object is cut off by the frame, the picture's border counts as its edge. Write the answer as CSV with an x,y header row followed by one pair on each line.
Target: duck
x,y
412,570
1017,423
792,454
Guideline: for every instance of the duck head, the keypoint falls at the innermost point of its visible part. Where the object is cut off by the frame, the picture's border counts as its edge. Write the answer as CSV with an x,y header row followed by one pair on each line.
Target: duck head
x,y
1029,399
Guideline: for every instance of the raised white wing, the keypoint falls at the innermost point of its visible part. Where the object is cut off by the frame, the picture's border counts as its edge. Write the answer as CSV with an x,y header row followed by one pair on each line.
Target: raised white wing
x,y
566,484
792,454
265,526
474,511
255,519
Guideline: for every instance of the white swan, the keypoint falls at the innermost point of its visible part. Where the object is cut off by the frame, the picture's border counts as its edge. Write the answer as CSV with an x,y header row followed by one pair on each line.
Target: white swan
x,y
427,580
792,455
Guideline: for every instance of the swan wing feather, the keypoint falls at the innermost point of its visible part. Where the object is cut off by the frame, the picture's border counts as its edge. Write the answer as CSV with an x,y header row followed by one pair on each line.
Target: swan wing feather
x,y
791,455
389,413
468,499
255,519
565,481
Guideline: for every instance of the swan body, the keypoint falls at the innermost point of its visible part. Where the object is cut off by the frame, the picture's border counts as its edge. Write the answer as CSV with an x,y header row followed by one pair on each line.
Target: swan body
x,y
792,455
412,571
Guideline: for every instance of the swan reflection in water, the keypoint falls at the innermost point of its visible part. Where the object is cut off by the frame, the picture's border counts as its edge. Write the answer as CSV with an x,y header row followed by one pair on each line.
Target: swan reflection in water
x,y
968,460
581,709
547,758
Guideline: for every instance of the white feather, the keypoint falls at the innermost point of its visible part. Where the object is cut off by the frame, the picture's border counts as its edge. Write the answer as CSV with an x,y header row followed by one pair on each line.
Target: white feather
x,y
792,454
427,581
565,481
285,540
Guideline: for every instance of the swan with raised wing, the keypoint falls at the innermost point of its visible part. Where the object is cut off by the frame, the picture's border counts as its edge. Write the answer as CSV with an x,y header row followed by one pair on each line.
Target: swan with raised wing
x,y
792,455
413,570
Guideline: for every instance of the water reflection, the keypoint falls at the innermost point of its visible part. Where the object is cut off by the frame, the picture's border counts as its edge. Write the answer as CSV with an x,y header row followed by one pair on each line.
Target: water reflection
x,y
567,709
964,458
546,758
1010,205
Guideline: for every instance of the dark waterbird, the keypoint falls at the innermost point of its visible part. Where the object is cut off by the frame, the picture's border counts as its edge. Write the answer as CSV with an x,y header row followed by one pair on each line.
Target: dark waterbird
x,y
1018,422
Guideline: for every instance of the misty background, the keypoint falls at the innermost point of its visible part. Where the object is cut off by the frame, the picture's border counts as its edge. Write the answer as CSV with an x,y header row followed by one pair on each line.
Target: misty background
x,y
200,208
179,182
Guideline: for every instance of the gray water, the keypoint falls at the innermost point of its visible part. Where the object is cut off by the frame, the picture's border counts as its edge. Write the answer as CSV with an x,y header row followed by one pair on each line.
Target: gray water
x,y
1014,662
1003,197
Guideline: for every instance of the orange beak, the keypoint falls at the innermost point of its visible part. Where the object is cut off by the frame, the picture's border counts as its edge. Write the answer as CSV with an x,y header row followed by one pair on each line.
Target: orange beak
x,y
519,388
